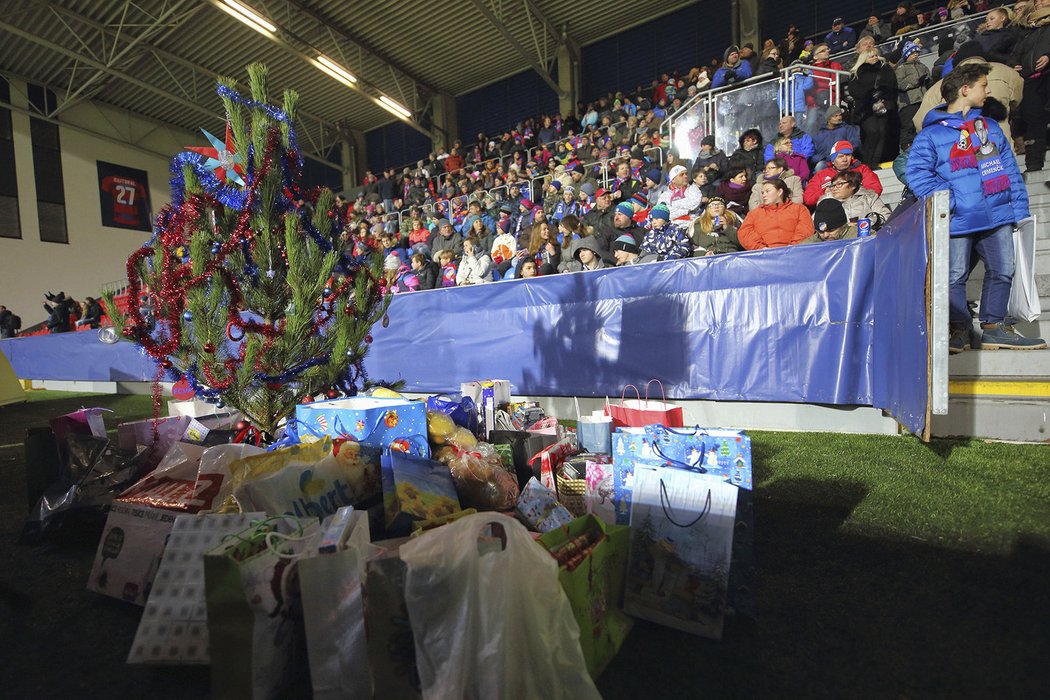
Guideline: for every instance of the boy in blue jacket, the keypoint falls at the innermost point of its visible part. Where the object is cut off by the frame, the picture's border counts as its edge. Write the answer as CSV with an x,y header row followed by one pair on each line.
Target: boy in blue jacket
x,y
960,151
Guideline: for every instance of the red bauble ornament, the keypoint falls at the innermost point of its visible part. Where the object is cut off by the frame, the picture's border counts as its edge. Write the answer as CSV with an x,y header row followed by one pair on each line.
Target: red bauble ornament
x,y
242,425
209,348
368,339
332,394
331,215
166,364
274,386
307,399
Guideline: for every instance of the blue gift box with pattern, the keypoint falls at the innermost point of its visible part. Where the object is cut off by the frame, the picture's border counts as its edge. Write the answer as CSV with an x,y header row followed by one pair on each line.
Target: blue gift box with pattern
x,y
370,420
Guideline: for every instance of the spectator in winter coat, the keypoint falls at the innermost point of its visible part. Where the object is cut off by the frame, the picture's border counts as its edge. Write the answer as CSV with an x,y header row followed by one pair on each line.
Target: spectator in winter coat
x,y
600,217
627,252
654,188
476,265
778,222
715,231
665,240
857,202
770,64
711,158
830,223
776,169
873,88
681,197
750,154
912,79
587,256
1032,54
961,151
734,69
801,143
877,29
841,160
623,223
836,129
58,314
904,19
997,40
840,38
734,190
446,239
782,149
1005,91
92,314
9,323
624,185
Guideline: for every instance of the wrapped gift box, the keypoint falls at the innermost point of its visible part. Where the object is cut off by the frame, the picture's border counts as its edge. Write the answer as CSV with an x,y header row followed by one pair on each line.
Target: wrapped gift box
x,y
366,419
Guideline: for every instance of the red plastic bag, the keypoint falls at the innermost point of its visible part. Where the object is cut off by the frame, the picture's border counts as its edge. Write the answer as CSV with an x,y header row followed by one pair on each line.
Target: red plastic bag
x,y
636,413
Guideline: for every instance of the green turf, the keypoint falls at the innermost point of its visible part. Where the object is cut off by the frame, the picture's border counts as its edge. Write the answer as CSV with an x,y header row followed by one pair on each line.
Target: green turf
x,y
886,568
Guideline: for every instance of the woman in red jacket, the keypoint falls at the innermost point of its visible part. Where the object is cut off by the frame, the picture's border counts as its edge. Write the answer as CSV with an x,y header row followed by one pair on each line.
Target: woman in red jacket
x,y
778,222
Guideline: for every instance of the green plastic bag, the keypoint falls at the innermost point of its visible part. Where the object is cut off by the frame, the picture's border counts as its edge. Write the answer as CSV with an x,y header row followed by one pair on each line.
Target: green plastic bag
x,y
592,573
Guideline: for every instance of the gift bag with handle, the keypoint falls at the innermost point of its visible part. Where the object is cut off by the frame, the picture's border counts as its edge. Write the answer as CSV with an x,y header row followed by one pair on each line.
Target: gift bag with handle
x,y
682,525
638,413
594,432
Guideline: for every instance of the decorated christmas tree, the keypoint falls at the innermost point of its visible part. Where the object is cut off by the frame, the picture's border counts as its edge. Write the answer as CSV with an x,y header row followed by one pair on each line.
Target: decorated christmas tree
x,y
243,291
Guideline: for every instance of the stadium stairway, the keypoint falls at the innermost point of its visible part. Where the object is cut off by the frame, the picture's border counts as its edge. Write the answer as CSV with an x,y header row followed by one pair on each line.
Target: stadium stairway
x,y
1001,394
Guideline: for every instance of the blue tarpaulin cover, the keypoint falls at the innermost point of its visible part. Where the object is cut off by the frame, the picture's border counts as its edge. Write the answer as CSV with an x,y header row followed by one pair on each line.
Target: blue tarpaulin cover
x,y
838,323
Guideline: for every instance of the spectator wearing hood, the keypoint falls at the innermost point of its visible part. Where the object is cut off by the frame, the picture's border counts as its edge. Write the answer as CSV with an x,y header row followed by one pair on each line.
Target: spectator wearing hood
x,y
682,197
778,222
1005,89
834,130
801,143
830,223
841,160
711,158
1032,53
750,155
840,38
734,69
665,240
587,255
913,77
776,169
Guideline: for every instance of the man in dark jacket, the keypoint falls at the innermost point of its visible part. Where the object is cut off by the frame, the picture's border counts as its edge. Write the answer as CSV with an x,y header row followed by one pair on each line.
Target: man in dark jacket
x,y
600,217
386,188
711,159
749,156
58,314
426,271
623,223
836,129
9,323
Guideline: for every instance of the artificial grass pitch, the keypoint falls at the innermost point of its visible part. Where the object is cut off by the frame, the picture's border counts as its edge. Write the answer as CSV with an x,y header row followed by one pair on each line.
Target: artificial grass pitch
x,y
886,568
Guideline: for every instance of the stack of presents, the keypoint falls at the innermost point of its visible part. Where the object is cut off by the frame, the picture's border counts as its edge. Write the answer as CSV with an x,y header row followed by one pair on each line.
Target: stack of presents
x,y
462,546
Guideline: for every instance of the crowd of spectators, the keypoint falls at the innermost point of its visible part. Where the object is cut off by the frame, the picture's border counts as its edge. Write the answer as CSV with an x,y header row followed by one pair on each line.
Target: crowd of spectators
x,y
560,194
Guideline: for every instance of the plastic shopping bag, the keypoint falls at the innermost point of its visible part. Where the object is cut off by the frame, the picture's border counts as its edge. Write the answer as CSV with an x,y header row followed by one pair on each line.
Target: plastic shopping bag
x,y
490,616
1024,295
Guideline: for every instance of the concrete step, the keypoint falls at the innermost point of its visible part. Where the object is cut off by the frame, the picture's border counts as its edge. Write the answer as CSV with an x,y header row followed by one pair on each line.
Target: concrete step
x,y
1001,365
995,418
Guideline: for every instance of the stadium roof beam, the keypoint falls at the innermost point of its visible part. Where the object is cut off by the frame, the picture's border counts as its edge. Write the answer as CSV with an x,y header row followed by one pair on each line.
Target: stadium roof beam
x,y
516,45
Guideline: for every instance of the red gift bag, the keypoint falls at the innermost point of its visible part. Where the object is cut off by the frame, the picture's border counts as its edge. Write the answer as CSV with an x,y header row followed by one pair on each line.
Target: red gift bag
x,y
636,413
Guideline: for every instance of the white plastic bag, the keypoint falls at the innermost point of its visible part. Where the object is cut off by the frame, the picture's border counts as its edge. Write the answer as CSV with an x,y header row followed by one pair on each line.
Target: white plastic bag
x,y
1024,296
495,622
334,614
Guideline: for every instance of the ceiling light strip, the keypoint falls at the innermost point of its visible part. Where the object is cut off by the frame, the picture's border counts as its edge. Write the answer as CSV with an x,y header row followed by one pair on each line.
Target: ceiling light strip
x,y
395,107
249,16
335,70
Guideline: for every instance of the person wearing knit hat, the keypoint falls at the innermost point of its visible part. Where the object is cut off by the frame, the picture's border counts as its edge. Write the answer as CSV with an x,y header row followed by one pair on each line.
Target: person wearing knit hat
x,y
665,240
625,250
625,208
912,78
830,222
446,239
835,129
840,160
711,159
682,197
733,70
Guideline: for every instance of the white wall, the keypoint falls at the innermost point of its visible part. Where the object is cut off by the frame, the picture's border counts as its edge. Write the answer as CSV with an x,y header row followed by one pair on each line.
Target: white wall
x,y
95,255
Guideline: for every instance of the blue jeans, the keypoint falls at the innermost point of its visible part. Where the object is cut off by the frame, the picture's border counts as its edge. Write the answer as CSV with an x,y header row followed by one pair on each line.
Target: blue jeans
x,y
994,247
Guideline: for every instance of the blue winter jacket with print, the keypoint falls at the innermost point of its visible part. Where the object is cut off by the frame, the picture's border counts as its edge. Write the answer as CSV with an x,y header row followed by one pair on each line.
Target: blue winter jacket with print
x,y
973,207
